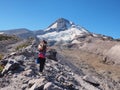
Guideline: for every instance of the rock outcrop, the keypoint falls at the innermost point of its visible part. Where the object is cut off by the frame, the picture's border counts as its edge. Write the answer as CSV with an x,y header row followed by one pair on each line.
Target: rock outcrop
x,y
112,55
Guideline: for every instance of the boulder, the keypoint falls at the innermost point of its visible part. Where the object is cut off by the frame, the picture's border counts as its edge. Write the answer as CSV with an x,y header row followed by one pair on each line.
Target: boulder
x,y
38,84
11,65
20,59
91,80
51,86
28,73
3,62
51,54
84,84
113,55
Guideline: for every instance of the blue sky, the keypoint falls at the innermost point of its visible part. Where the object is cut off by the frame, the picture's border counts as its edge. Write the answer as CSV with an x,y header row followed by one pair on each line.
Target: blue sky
x,y
98,16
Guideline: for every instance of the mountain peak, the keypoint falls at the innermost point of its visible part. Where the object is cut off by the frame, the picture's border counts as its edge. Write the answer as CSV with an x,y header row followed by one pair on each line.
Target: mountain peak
x,y
63,20
60,24
63,30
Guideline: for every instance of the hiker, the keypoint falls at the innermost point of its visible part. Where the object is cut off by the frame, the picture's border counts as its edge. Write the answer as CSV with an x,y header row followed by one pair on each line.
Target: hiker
x,y
41,57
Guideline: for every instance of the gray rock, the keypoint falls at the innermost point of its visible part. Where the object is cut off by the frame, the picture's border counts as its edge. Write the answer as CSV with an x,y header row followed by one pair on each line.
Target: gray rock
x,y
91,80
20,58
24,86
28,73
60,78
11,65
84,84
3,62
4,82
38,84
51,86
51,54
113,56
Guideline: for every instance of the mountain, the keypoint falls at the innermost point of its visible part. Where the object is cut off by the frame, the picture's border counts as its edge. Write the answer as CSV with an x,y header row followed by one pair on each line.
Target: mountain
x,y
59,25
76,60
64,31
60,30
21,32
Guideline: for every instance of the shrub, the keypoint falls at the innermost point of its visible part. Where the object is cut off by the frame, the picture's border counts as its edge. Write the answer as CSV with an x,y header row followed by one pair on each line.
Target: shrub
x,y
8,37
21,46
4,37
1,68
1,56
24,45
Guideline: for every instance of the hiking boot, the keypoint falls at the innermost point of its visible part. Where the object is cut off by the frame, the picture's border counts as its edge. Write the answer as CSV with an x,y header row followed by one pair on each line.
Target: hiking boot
x,y
40,73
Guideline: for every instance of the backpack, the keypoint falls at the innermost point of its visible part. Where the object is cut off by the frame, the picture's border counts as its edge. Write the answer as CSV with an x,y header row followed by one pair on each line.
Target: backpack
x,y
42,47
37,60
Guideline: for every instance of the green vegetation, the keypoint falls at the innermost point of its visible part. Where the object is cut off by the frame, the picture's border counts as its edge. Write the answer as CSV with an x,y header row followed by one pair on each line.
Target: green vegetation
x,y
1,68
21,46
7,37
1,56
24,45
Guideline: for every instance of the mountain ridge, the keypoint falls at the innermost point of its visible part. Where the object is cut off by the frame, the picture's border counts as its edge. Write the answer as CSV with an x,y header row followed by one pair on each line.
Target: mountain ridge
x,y
59,25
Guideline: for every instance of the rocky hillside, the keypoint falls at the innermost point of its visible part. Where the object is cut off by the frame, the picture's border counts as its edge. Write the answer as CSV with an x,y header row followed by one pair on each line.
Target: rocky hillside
x,y
20,72
94,55
6,40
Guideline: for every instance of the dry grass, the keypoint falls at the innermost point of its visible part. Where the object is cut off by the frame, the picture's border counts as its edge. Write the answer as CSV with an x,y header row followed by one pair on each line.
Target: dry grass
x,y
7,37
94,61
1,68
24,44
21,46
1,56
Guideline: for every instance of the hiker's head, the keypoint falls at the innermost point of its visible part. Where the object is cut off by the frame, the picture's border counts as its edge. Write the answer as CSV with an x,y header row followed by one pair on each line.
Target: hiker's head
x,y
44,41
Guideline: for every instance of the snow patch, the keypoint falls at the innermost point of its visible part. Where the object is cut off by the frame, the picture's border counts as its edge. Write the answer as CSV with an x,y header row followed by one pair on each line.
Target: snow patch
x,y
66,35
75,41
1,32
53,26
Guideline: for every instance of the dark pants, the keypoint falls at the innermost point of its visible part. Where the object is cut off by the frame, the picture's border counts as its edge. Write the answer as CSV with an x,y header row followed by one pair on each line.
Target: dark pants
x,y
42,63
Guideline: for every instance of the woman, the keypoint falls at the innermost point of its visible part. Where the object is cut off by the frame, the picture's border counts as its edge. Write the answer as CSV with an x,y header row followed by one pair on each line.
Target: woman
x,y
42,51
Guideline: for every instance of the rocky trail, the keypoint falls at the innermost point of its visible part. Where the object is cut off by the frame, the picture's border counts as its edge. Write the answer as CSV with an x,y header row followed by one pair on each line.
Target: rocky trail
x,y
21,73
